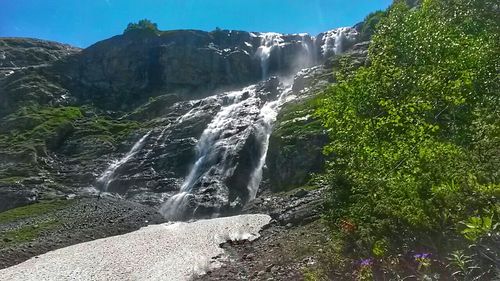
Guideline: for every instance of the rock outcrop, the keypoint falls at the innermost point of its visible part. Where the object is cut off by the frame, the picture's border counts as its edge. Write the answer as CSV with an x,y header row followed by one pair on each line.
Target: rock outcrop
x,y
124,71
71,118
296,144
18,53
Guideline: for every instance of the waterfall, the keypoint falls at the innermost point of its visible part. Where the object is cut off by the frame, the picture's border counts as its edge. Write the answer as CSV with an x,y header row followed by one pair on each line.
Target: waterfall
x,y
268,42
334,40
108,176
246,115
231,151
264,128
214,147
213,138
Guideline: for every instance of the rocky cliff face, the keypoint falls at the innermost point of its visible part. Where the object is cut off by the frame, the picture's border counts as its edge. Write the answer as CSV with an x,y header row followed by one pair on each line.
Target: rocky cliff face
x,y
296,144
149,116
125,70
16,53
25,75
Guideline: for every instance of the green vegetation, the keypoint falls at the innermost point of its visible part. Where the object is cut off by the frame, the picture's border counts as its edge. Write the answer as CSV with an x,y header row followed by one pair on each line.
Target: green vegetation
x,y
143,25
111,130
32,210
370,24
295,145
33,131
29,231
26,233
38,124
415,145
34,126
156,106
297,121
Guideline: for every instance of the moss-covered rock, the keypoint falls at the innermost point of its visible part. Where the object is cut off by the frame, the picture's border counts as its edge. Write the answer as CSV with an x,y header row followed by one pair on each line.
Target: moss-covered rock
x,y
295,148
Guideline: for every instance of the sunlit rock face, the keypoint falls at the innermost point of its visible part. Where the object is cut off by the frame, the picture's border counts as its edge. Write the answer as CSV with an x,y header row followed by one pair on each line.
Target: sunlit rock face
x,y
296,144
209,148
127,69
17,53
204,102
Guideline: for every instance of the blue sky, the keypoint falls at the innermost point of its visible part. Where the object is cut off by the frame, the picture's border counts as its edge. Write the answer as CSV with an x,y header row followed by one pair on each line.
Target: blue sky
x,y
84,22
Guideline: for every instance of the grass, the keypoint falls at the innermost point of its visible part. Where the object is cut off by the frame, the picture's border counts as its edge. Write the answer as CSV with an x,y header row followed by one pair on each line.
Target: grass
x,y
26,233
35,123
113,130
32,210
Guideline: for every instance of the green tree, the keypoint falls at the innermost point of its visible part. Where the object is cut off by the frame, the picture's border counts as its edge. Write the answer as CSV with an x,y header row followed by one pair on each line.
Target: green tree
x,y
141,26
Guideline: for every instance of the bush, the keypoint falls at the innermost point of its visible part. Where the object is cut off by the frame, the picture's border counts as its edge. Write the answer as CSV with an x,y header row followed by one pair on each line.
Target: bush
x,y
144,25
415,135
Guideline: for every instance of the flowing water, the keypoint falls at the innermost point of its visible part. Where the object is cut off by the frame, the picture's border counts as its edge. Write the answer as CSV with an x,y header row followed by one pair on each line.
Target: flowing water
x,y
269,42
218,149
108,176
264,128
215,148
231,151
334,40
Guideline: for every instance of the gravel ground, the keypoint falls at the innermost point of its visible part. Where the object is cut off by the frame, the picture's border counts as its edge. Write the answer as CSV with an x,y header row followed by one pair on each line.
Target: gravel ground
x,y
171,251
293,242
281,254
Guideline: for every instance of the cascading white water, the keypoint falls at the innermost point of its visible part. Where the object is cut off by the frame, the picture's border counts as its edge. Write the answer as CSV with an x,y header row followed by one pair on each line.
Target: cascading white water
x,y
308,47
333,40
217,142
264,128
217,158
231,151
213,147
108,176
331,43
269,41
211,136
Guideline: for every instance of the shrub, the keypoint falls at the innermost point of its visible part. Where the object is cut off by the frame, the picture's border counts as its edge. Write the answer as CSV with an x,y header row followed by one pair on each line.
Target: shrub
x,y
143,25
415,135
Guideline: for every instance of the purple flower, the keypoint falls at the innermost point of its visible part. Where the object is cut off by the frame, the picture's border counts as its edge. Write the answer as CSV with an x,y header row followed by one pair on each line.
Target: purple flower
x,y
422,256
366,262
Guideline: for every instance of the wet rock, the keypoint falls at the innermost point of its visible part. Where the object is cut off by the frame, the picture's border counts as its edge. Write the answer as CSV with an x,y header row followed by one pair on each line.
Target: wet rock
x,y
300,193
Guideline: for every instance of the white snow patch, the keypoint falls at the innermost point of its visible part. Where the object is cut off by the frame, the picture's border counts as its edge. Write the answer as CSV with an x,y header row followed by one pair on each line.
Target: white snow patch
x,y
171,251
